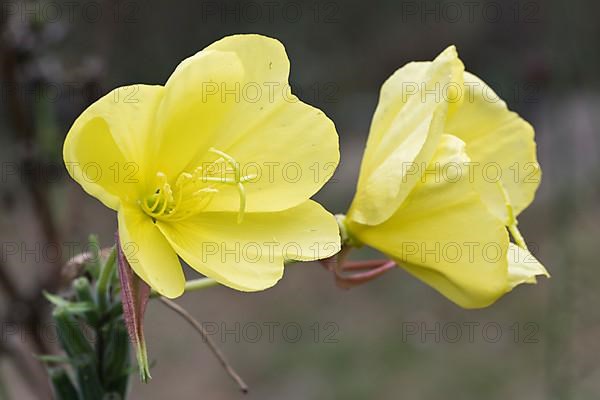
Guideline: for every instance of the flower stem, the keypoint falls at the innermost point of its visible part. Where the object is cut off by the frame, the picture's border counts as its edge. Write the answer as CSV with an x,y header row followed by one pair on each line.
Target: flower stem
x,y
192,285
198,284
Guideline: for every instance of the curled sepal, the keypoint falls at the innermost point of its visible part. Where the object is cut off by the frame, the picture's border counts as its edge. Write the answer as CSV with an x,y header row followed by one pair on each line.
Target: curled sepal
x,y
134,296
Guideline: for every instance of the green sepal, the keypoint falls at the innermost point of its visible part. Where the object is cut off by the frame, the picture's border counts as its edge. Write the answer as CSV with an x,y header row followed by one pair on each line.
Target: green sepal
x,y
141,354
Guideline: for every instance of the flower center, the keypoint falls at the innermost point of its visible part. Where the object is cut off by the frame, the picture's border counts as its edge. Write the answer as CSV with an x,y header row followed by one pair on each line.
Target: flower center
x,y
192,192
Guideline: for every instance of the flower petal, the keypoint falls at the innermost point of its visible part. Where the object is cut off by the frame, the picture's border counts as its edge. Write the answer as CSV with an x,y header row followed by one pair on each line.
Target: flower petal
x,y
523,267
250,256
444,234
502,146
149,253
291,147
404,133
194,105
104,149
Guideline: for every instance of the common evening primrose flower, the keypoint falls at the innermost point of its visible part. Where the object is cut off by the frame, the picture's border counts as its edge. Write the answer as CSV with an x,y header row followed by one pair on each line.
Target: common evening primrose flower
x,y
425,195
200,168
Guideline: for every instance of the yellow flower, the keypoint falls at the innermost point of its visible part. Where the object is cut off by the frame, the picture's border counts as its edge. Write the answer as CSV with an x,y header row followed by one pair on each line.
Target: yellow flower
x,y
446,170
216,166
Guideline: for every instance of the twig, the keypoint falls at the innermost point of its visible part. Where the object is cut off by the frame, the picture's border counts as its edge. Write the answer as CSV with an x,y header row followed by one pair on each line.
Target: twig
x,y
211,345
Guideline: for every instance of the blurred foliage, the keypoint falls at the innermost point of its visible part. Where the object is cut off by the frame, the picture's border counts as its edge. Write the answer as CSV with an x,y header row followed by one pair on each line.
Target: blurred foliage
x,y
92,334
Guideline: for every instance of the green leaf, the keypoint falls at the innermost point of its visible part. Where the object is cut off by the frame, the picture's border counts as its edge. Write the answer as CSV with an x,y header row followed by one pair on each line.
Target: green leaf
x,y
117,365
93,266
103,285
53,359
114,312
84,294
71,307
62,385
81,352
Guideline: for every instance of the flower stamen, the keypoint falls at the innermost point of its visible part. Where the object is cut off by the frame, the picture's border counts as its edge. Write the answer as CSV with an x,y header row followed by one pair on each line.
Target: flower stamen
x,y
188,197
238,180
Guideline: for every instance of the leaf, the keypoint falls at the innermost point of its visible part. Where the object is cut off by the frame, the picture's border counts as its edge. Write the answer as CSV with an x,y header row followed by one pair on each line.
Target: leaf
x,y
93,266
84,294
62,385
52,359
82,354
116,366
71,307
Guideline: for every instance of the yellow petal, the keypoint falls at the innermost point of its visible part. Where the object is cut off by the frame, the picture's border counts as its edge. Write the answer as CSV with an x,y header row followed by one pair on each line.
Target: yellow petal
x,y
263,57
523,267
404,133
290,147
250,256
501,146
149,253
193,108
444,234
104,149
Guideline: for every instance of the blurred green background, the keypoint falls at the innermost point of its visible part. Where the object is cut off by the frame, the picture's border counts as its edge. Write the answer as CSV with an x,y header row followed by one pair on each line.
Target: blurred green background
x,y
394,338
